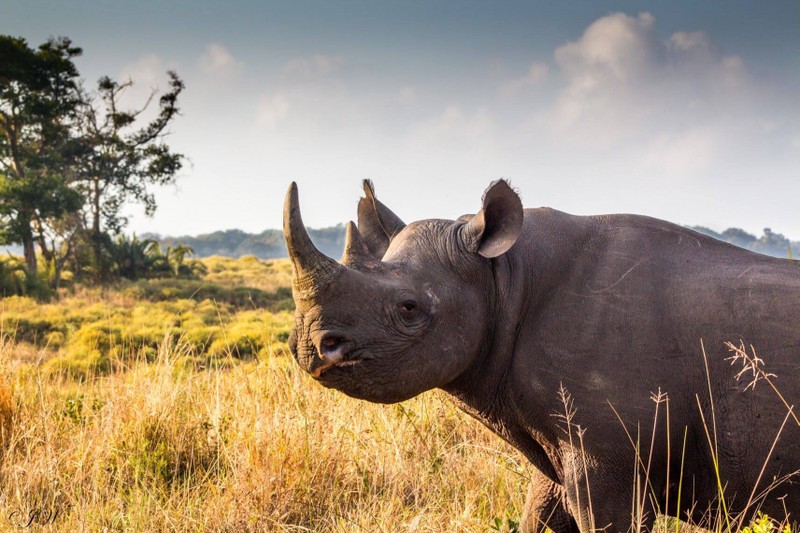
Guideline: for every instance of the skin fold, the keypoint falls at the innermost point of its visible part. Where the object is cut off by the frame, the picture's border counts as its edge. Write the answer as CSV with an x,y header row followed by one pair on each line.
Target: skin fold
x,y
573,339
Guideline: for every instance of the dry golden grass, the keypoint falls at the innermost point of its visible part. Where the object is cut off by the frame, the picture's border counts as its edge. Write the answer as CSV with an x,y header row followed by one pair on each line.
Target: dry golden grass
x,y
248,270
6,413
240,439
253,447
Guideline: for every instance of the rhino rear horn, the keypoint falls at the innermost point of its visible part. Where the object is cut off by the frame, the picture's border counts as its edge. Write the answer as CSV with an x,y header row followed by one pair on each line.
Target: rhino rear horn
x,y
356,252
494,230
313,269
376,222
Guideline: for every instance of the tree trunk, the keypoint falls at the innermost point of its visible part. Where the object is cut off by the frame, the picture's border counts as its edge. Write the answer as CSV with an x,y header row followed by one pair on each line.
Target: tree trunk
x,y
28,244
25,218
30,255
95,237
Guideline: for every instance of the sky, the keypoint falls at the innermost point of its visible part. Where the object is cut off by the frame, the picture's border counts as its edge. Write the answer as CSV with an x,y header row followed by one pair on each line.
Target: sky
x,y
682,110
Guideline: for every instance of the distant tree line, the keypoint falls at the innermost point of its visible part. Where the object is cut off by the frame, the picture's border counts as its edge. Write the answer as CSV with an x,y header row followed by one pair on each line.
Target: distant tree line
x,y
769,243
70,159
269,244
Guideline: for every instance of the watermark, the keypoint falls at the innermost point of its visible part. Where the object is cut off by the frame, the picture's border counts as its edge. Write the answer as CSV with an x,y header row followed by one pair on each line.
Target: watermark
x,y
32,511
35,515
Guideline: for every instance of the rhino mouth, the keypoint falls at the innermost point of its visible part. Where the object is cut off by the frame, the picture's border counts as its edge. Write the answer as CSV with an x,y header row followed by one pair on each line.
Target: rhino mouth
x,y
343,361
325,367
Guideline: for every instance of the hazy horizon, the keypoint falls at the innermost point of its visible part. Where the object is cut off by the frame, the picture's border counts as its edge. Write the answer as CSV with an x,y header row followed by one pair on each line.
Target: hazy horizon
x,y
332,242
683,111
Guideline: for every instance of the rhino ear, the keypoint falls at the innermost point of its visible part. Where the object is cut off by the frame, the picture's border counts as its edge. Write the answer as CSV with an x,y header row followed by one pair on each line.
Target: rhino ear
x,y
497,225
376,222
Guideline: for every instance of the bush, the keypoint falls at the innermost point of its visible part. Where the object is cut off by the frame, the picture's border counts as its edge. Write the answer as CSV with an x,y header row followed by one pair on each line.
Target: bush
x,y
7,409
94,331
161,290
15,280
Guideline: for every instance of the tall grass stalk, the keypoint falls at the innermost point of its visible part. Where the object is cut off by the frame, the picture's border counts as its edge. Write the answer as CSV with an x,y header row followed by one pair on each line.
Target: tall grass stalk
x,y
157,407
713,444
755,366
159,445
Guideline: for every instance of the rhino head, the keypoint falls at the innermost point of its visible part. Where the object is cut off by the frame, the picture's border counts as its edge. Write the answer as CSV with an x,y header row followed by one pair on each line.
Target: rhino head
x,y
409,307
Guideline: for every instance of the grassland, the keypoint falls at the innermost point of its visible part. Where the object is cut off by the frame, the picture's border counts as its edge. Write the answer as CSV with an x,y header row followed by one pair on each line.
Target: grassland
x,y
172,405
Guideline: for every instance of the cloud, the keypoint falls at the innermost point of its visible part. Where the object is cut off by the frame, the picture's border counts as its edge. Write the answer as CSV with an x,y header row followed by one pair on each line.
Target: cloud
x,y
686,154
313,67
693,46
536,74
622,79
621,118
406,96
318,98
148,74
272,109
217,60
615,47
146,71
455,127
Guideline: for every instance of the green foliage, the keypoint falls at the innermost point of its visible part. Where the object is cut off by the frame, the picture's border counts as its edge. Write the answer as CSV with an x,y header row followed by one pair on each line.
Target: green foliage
x,y
161,290
250,272
16,281
132,258
76,410
69,157
13,280
156,456
763,524
39,96
510,526
119,163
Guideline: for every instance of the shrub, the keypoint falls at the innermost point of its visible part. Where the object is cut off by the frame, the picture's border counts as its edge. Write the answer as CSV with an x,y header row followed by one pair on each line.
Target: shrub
x,y
6,412
13,280
16,281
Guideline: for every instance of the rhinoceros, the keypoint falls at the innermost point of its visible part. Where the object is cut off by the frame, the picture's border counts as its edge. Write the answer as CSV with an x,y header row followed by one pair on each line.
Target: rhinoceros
x,y
641,367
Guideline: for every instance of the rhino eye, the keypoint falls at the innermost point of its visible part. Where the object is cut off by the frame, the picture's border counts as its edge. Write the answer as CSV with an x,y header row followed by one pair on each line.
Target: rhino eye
x,y
408,306
411,314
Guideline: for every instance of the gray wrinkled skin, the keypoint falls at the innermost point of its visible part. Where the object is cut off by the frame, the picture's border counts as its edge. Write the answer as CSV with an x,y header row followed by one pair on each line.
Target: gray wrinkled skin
x,y
503,308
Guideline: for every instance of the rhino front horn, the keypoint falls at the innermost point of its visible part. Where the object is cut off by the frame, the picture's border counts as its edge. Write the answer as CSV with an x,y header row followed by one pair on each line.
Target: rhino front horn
x,y
313,269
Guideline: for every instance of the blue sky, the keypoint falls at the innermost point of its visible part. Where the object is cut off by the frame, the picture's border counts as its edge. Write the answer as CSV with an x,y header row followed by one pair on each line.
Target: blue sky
x,y
688,111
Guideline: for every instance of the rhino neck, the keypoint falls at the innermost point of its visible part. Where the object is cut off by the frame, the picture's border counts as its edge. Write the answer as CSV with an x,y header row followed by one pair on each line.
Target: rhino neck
x,y
482,390
514,284
519,285
480,384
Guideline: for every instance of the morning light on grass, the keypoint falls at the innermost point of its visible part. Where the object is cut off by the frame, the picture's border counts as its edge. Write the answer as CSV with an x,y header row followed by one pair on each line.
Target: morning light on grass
x,y
175,405
313,266
124,412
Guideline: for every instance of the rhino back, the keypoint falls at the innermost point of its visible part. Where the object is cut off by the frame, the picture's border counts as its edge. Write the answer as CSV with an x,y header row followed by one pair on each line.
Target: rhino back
x,y
615,309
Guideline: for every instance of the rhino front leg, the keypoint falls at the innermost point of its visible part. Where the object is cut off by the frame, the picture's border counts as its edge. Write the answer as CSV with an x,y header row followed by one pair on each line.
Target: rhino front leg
x,y
546,508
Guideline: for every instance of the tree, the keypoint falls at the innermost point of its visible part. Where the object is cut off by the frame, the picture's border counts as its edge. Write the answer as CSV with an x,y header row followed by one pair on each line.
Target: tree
x,y
181,268
70,159
739,237
133,258
39,97
772,243
123,162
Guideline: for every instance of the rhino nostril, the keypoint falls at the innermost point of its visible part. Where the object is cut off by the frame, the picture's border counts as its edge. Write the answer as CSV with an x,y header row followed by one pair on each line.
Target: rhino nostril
x,y
332,347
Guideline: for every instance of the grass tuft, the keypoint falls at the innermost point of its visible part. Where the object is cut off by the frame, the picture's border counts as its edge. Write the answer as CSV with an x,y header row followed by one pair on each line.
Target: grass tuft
x,y
171,405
